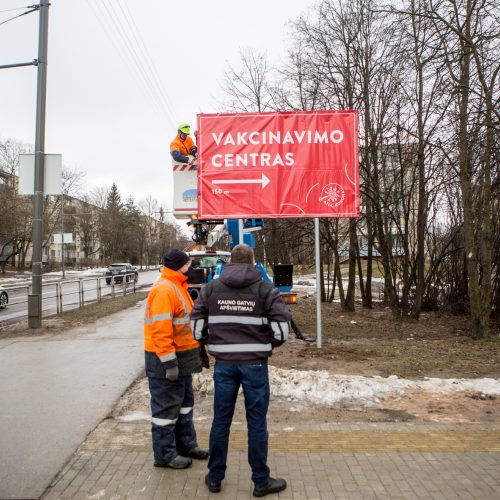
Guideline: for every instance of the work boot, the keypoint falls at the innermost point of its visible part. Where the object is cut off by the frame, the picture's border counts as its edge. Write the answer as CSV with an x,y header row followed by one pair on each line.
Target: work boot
x,y
212,487
272,486
198,453
179,462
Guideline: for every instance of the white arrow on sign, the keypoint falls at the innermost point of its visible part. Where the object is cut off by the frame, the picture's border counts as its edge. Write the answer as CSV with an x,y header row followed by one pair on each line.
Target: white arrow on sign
x,y
264,181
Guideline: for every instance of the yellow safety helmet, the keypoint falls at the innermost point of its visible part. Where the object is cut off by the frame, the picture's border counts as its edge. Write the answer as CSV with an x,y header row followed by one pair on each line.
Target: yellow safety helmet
x,y
184,128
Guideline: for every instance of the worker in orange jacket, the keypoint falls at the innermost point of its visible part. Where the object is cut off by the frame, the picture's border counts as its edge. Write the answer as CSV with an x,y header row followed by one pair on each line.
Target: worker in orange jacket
x,y
172,356
182,148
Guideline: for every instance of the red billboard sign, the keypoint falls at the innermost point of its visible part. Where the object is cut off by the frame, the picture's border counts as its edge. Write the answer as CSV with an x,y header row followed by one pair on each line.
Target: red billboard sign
x,y
290,164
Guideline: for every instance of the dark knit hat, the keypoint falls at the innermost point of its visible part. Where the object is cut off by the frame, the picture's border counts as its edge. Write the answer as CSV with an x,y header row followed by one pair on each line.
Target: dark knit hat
x,y
174,259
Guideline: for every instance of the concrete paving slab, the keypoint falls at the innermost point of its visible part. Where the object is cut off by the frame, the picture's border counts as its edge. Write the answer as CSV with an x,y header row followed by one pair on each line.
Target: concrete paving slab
x,y
54,389
374,461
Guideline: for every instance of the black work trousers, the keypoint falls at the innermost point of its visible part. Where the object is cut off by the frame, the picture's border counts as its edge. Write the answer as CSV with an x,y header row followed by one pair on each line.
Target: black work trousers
x,y
172,417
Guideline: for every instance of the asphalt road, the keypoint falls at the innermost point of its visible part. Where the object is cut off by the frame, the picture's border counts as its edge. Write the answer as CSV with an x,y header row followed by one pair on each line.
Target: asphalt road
x,y
18,298
54,389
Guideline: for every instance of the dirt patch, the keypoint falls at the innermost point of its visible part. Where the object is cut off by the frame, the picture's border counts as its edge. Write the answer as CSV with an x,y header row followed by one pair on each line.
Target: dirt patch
x,y
371,343
374,342
366,343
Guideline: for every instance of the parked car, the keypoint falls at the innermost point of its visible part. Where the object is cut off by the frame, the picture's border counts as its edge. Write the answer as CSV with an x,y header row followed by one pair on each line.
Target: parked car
x,y
4,298
119,270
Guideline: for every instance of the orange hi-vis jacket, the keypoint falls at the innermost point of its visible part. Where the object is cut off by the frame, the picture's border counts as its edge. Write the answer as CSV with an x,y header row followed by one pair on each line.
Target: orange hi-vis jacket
x,y
184,147
167,327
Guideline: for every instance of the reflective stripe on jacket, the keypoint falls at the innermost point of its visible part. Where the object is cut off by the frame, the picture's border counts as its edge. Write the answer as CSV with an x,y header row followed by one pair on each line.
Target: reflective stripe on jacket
x,y
167,328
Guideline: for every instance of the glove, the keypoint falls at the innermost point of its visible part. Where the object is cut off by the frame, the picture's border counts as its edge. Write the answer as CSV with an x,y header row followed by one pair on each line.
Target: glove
x,y
205,360
172,374
191,160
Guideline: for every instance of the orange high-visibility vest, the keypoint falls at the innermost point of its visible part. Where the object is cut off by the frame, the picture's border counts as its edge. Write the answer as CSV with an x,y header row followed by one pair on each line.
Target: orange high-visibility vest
x,y
184,147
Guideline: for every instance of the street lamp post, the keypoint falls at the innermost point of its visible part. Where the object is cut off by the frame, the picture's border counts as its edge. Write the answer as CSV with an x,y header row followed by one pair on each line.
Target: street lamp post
x,y
62,234
35,298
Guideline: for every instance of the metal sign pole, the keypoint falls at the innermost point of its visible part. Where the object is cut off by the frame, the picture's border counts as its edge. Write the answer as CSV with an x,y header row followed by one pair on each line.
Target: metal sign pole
x,y
240,232
35,299
318,283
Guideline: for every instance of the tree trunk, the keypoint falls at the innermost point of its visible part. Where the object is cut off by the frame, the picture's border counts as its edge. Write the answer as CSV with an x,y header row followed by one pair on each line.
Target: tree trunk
x,y
351,286
479,323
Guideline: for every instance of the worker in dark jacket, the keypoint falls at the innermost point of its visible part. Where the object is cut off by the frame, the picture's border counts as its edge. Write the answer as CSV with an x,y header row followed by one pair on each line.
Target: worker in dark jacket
x,y
171,356
241,318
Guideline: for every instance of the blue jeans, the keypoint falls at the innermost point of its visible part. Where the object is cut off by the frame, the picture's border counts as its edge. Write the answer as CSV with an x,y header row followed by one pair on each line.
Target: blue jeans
x,y
172,429
255,382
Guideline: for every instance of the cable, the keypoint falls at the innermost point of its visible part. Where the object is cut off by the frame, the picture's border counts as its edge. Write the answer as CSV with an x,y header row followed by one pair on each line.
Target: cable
x,y
128,52
20,15
135,57
148,58
10,10
143,61
119,48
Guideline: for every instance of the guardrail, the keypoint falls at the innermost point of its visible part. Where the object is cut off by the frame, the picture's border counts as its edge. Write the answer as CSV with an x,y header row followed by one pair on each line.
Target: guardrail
x,y
80,293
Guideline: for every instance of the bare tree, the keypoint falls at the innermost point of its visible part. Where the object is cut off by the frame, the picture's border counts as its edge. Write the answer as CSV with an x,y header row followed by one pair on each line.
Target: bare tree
x,y
248,87
15,224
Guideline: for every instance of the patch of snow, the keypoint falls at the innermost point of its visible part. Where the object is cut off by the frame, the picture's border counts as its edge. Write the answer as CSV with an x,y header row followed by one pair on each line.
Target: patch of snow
x,y
99,494
323,388
133,417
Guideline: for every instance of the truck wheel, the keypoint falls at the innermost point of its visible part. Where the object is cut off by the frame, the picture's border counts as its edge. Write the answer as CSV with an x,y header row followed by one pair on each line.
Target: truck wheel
x,y
4,300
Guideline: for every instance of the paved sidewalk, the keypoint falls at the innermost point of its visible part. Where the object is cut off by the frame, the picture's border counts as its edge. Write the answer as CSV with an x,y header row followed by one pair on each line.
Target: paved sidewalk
x,y
372,461
55,388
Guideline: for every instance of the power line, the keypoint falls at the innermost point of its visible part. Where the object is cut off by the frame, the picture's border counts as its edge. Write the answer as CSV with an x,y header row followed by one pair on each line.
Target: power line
x,y
10,10
147,57
17,8
122,32
128,51
119,47
34,9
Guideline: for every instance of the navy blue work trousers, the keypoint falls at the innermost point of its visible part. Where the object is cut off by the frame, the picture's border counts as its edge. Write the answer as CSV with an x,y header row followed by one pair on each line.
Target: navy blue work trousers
x,y
172,417
255,382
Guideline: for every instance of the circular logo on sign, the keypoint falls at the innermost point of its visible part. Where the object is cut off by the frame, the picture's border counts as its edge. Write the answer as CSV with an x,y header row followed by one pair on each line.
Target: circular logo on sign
x,y
332,195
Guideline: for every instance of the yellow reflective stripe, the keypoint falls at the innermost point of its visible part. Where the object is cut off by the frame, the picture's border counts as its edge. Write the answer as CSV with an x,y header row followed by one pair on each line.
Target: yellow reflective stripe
x,y
186,410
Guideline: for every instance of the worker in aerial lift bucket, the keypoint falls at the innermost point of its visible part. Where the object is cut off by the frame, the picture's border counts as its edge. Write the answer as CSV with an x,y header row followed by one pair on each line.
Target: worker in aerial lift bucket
x,y
182,148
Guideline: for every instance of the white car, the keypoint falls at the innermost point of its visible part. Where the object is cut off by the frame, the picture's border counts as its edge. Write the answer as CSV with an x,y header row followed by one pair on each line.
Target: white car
x,y
4,298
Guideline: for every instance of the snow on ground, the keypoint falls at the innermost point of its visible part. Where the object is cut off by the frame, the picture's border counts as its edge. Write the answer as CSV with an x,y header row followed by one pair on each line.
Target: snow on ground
x,y
322,388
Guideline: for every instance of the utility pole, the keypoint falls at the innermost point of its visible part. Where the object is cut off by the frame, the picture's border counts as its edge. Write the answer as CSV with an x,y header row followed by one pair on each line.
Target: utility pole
x,y
35,298
62,234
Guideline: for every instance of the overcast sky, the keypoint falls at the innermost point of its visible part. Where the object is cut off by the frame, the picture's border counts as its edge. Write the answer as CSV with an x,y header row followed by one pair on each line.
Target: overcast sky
x,y
104,58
